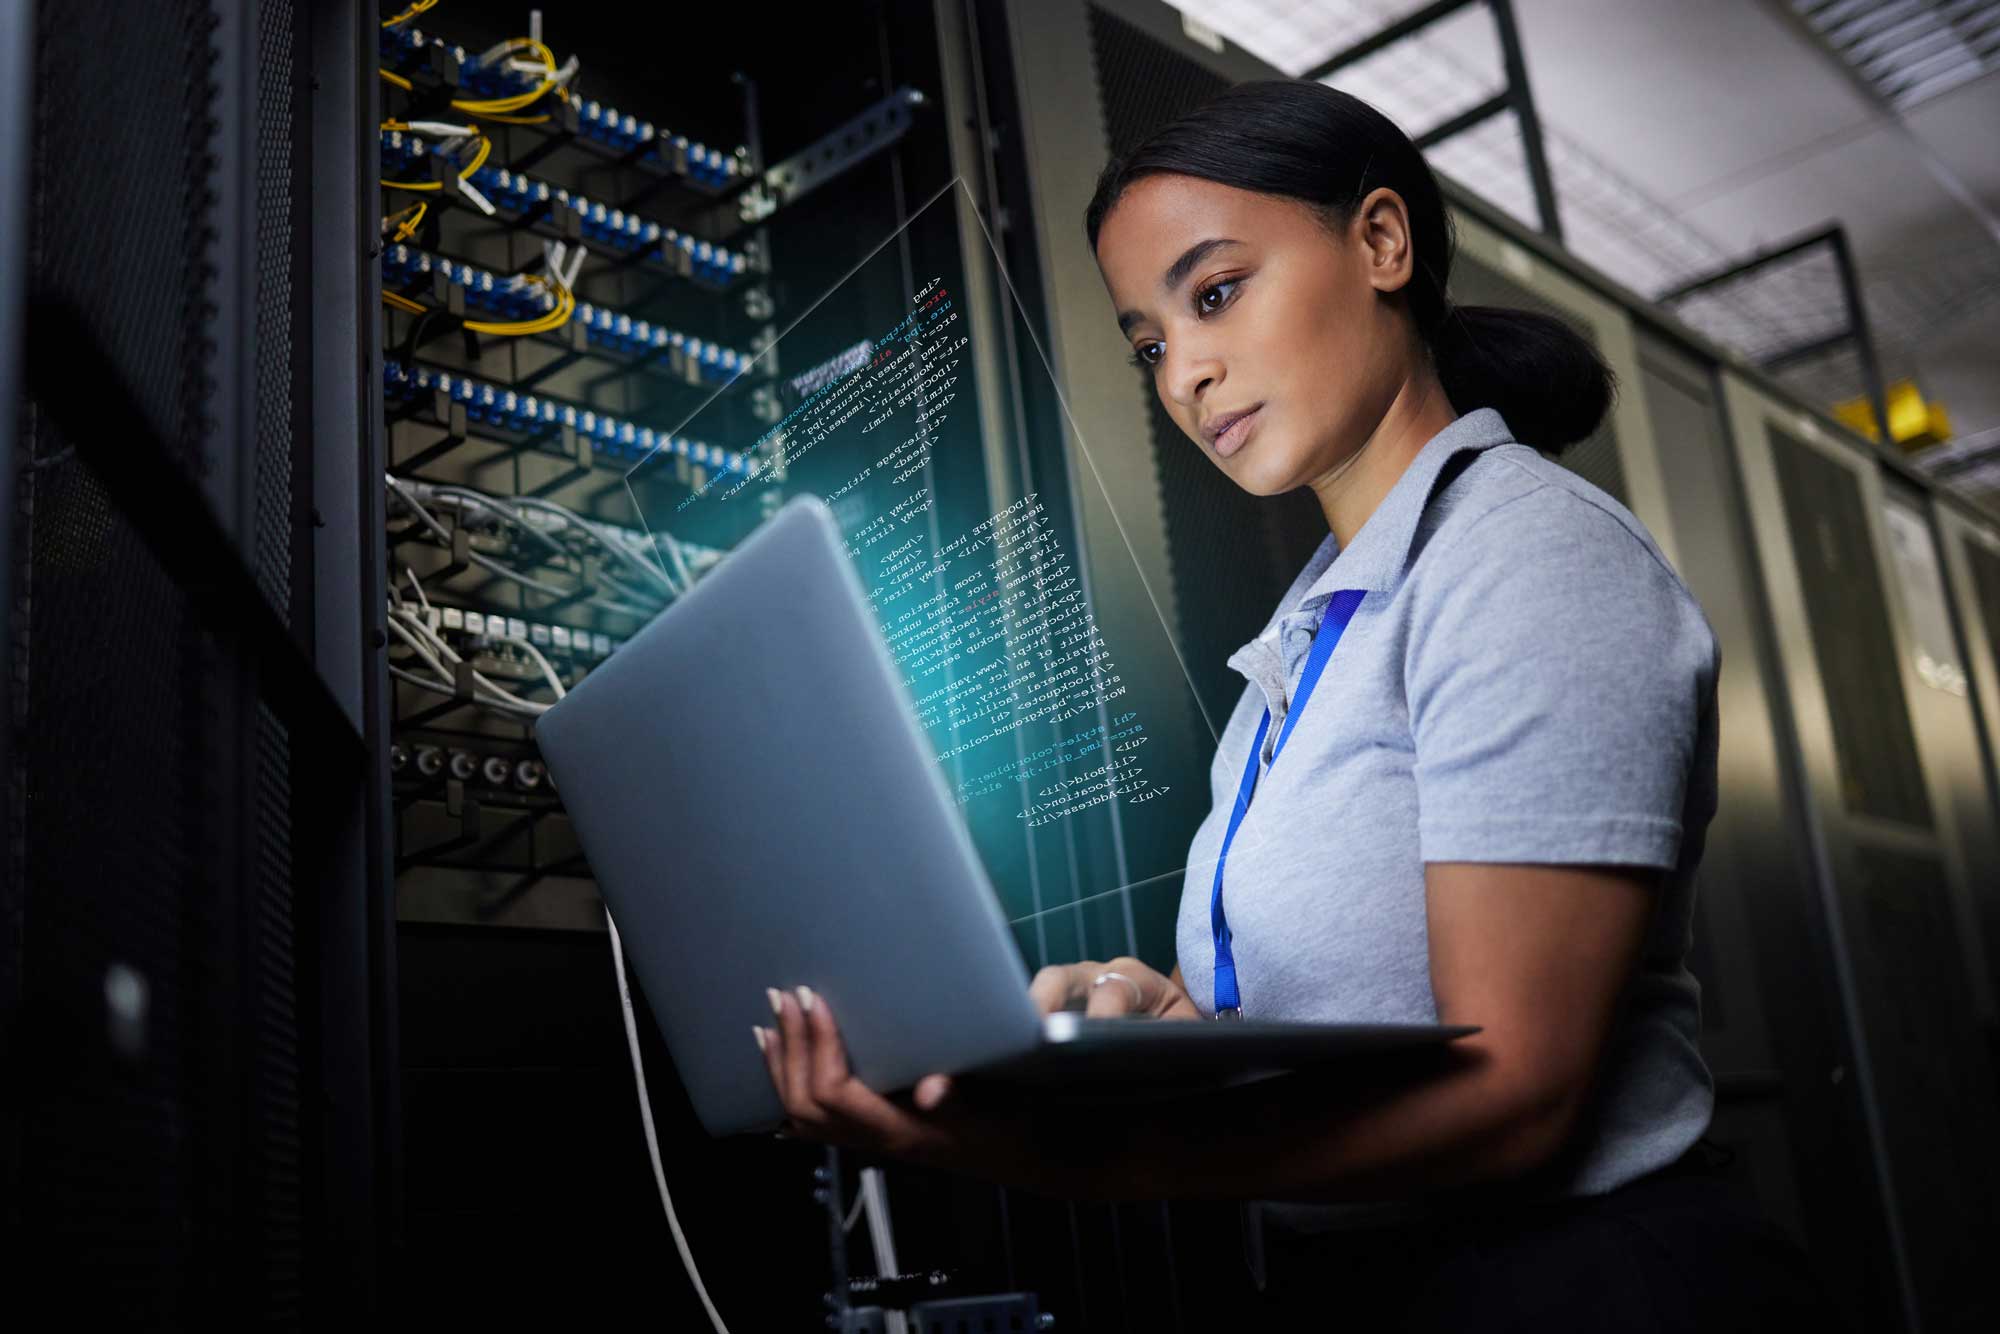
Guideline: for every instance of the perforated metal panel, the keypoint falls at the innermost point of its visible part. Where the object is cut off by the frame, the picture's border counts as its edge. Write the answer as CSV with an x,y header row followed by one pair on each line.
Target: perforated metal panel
x,y
1233,554
278,218
122,203
1848,611
280,213
109,787
160,1140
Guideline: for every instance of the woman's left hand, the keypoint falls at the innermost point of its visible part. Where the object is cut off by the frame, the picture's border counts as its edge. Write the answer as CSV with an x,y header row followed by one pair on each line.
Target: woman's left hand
x,y
824,1101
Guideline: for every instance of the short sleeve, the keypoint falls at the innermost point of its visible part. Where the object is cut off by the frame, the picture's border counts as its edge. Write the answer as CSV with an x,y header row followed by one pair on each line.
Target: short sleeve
x,y
1557,676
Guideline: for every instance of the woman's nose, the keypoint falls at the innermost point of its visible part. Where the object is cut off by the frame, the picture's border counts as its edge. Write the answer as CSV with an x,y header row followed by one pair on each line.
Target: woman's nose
x,y
1188,381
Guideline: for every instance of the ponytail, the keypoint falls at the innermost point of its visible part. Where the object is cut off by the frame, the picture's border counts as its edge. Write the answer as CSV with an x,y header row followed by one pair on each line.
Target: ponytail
x,y
1540,375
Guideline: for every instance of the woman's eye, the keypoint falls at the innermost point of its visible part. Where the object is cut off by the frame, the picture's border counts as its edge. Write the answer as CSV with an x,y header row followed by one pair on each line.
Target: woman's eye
x,y
1226,288
1201,298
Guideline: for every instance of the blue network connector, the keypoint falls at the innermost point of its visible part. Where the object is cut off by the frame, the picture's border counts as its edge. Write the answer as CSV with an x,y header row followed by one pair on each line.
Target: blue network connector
x,y
404,266
403,154
612,437
710,167
403,47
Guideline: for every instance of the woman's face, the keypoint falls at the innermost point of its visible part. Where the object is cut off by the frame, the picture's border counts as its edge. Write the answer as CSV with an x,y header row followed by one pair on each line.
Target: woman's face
x,y
1282,317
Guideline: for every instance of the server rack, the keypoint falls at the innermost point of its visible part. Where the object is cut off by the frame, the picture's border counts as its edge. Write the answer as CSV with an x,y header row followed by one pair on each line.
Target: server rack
x,y
1895,870
507,998
193,986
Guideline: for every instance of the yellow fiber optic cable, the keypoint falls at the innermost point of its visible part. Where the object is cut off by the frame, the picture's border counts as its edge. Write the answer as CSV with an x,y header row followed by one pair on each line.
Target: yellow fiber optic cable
x,y
479,157
418,7
503,105
408,228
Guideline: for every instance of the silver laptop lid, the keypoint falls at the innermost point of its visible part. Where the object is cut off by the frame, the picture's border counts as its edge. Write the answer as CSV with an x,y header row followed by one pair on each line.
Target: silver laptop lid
x,y
760,808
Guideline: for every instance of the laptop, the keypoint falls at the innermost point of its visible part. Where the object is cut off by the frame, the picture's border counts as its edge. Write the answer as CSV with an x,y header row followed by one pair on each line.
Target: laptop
x,y
752,790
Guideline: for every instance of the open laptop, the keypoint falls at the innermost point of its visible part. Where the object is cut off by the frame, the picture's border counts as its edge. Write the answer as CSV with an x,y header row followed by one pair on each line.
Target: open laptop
x,y
761,808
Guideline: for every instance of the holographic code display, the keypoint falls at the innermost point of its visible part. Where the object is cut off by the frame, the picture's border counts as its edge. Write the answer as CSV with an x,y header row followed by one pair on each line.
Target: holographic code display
x,y
995,559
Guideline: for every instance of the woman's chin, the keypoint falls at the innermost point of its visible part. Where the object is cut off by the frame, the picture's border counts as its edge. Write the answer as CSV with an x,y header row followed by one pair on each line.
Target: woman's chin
x,y
1256,475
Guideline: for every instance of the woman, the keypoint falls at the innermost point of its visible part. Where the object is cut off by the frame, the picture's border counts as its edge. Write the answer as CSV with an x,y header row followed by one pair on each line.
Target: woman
x,y
1490,812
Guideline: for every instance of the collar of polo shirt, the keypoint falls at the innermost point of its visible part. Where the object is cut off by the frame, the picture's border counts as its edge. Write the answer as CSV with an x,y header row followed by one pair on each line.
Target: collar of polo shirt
x,y
1379,552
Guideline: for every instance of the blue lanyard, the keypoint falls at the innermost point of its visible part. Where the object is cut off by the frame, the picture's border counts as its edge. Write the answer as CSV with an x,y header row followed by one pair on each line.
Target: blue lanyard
x,y
1228,1005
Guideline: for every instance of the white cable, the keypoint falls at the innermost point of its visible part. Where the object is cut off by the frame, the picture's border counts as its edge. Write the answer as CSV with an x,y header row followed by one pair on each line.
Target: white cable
x,y
505,703
480,559
680,562
479,201
418,589
484,562
548,672
424,683
575,263
595,531
499,508
652,1136
443,129
437,642
399,619
882,1237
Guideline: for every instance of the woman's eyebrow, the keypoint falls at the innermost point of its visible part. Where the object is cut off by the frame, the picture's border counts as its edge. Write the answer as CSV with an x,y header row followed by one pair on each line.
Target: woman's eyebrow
x,y
1177,273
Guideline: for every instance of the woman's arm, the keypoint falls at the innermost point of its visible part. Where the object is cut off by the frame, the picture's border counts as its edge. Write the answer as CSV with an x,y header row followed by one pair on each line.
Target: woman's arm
x,y
1537,956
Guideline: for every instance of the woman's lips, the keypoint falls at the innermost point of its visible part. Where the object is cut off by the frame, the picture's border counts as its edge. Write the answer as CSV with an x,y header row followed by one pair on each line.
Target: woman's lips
x,y
1239,431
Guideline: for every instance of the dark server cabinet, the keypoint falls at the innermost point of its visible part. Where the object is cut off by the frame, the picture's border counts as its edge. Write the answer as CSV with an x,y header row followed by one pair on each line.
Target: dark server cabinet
x,y
190,929
1900,877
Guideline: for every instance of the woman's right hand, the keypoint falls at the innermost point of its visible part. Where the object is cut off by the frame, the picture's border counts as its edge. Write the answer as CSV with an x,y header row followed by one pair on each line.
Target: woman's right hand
x,y
1152,995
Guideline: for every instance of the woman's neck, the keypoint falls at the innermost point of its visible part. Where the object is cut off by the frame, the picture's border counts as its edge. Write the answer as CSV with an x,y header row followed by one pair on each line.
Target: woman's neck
x,y
1349,492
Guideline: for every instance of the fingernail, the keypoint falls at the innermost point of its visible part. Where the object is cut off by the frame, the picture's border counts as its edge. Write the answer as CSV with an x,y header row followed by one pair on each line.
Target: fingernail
x,y
806,999
761,1040
777,1001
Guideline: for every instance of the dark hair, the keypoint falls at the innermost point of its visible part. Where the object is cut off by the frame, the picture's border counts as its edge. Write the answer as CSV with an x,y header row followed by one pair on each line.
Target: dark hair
x,y
1316,144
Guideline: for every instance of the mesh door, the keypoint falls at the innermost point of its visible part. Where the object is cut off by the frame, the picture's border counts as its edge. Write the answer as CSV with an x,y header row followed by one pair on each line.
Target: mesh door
x,y
1848,613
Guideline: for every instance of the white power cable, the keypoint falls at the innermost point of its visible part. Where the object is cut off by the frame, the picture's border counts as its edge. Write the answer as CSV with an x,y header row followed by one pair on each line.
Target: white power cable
x,y
875,1195
652,1135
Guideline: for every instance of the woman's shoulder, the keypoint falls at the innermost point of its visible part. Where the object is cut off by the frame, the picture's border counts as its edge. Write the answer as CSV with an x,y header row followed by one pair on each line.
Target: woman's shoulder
x,y
1513,505
1519,536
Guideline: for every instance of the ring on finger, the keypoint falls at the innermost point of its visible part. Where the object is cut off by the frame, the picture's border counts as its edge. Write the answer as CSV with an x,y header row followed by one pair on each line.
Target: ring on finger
x,y
1138,996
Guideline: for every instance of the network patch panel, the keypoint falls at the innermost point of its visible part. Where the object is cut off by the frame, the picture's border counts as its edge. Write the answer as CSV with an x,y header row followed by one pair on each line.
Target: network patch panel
x,y
412,271
501,514
633,139
492,405
563,640
414,162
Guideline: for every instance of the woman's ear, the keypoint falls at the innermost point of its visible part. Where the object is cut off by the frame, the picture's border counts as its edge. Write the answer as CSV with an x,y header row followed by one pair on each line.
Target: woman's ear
x,y
1383,226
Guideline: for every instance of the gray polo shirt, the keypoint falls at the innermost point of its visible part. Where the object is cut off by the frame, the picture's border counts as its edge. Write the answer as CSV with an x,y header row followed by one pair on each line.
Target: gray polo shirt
x,y
1526,680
